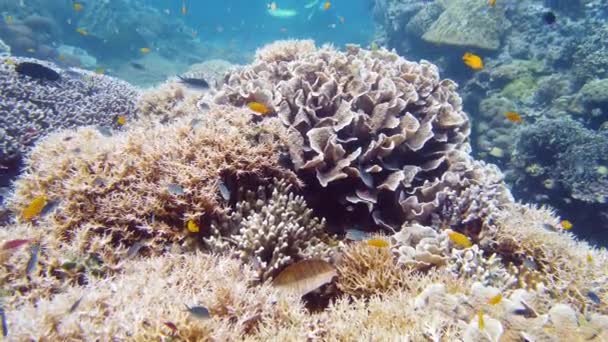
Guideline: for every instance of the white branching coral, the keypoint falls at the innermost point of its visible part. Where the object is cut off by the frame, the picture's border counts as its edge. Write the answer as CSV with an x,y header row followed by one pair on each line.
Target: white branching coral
x,y
270,231
472,264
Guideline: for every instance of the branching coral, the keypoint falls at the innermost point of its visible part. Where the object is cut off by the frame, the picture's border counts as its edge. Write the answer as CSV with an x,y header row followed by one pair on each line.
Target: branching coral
x,y
102,194
270,231
31,108
367,125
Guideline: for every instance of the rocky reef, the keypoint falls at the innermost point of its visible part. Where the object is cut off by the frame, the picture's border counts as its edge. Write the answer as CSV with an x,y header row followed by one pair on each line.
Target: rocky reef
x,y
206,202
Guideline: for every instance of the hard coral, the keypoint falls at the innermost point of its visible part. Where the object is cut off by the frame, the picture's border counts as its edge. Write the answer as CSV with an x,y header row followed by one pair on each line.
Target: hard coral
x,y
31,108
272,228
367,125
124,200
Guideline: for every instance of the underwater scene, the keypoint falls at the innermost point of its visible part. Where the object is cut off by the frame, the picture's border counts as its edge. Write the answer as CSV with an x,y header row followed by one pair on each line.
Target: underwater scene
x,y
304,170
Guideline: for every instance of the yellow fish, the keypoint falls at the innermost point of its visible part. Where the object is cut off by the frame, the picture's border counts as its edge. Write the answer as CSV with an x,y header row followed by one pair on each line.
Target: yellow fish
x,y
566,225
495,300
326,5
82,31
145,50
78,6
34,208
472,61
513,117
589,258
374,46
100,71
193,226
491,3
9,61
184,8
8,19
380,243
259,108
121,120
480,322
460,239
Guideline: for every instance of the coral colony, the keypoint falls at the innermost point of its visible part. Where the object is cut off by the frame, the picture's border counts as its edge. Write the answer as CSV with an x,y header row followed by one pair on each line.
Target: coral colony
x,y
351,209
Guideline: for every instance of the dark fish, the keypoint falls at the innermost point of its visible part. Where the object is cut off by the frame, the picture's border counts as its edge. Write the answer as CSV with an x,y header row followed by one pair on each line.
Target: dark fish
x,y
195,82
549,18
138,66
36,70
76,304
105,131
99,182
4,323
49,208
594,297
198,311
175,189
33,261
224,191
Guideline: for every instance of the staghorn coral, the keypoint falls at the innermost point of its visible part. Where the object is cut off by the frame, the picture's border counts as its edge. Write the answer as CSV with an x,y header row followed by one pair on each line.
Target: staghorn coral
x,y
368,126
31,108
270,231
471,263
102,194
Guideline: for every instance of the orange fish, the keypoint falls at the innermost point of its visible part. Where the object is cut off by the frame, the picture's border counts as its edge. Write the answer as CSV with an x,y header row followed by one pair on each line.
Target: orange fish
x,y
78,6
82,31
472,61
193,226
259,108
380,243
34,208
121,120
513,117
491,3
566,225
326,5
145,50
460,239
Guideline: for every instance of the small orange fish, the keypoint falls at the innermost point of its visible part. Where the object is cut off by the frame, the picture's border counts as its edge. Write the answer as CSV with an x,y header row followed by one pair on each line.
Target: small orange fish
x,y
566,225
34,208
121,120
326,5
82,31
380,243
193,226
460,239
78,6
472,61
184,8
495,300
492,3
145,50
513,117
259,108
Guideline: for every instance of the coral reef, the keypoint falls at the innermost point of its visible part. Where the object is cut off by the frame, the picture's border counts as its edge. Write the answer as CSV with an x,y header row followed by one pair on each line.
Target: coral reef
x,y
270,232
31,108
368,126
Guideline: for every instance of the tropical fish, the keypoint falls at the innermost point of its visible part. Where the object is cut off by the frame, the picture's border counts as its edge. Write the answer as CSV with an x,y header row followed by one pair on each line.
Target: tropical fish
x,y
198,311
460,239
492,3
134,249
224,191
258,107
9,61
9,19
184,8
82,31
380,243
594,297
33,261
76,304
282,13
100,71
145,50
374,46
175,189
356,235
472,61
589,258
77,6
195,82
481,324
31,50
4,322
513,117
105,131
305,276
192,226
34,208
566,225
311,4
121,120
171,326
495,300
272,6
138,66
12,244
549,18
326,5
36,70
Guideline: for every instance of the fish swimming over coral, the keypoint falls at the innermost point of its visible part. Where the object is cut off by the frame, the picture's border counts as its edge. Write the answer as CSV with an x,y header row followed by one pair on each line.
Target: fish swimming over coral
x,y
37,70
